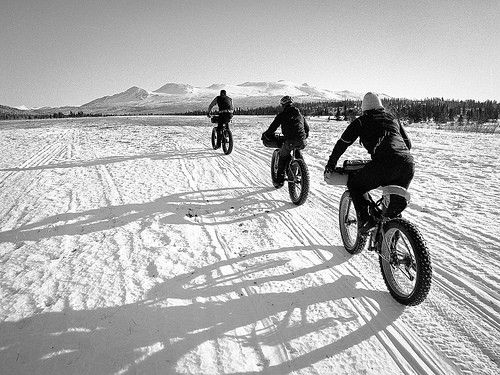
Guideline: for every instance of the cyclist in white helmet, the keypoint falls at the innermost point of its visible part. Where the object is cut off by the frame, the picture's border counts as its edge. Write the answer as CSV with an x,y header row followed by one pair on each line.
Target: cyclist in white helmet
x,y
388,144
294,128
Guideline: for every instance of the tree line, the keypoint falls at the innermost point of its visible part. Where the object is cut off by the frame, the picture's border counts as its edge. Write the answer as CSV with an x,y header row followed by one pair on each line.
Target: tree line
x,y
436,110
21,115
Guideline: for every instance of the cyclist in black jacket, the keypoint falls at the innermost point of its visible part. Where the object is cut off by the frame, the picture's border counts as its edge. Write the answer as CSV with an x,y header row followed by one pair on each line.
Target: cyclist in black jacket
x,y
387,142
294,128
226,109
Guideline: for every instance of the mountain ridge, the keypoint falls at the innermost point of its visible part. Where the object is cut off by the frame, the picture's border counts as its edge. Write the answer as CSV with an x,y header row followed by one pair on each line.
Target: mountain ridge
x,y
181,97
178,97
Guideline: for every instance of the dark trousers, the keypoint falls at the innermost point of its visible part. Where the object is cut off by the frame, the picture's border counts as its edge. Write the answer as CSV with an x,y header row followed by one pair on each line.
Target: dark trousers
x,y
286,148
397,171
224,118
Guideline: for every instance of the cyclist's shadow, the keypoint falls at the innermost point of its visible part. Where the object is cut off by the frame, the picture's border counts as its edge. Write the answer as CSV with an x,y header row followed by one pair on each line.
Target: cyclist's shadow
x,y
195,309
204,207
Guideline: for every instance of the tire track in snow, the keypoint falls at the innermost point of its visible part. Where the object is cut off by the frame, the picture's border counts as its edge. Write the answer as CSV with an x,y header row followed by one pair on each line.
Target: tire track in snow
x,y
16,184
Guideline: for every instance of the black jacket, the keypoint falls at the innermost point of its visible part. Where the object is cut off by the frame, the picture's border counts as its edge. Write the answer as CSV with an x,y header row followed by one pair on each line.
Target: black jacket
x,y
379,132
224,102
293,124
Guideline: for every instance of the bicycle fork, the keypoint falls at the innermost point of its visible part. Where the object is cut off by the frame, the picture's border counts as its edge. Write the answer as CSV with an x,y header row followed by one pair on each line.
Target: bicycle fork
x,y
378,243
387,251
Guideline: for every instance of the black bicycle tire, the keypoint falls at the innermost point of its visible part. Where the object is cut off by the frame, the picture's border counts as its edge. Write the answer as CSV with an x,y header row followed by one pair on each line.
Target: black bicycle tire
x,y
214,138
274,169
423,277
227,146
352,246
304,181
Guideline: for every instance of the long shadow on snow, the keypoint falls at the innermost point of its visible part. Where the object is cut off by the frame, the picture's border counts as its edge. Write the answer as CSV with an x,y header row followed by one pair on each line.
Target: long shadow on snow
x,y
183,313
204,207
165,155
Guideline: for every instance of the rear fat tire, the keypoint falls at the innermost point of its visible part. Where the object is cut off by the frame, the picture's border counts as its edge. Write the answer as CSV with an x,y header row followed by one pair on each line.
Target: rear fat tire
x,y
422,263
299,191
353,242
227,141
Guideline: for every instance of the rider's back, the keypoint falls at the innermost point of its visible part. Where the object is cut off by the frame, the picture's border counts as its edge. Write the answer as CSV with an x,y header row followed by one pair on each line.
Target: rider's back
x,y
224,103
292,123
380,134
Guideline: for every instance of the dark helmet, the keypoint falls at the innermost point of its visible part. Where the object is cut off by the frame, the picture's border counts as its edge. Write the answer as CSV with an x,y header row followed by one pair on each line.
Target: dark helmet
x,y
223,92
286,100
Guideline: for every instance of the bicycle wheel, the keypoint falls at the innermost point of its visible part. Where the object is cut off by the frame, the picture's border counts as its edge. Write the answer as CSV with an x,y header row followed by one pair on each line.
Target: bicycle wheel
x,y
405,262
274,169
214,138
298,181
227,141
354,243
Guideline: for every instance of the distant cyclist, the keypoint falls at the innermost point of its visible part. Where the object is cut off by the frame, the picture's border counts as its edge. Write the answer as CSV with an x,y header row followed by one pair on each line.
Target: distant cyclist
x,y
226,109
294,128
387,142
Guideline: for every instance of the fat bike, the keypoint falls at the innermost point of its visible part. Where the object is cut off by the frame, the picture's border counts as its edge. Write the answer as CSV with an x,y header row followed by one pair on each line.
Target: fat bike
x,y
403,255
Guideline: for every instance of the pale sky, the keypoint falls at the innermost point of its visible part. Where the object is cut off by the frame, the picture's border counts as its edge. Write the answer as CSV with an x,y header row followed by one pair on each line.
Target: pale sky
x,y
69,52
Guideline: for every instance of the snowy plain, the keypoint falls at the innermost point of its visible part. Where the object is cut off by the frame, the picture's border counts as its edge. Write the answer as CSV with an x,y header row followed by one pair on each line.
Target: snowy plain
x,y
129,246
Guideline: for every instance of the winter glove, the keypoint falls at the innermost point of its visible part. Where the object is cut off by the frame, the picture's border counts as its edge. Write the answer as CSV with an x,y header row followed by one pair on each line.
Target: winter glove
x,y
329,169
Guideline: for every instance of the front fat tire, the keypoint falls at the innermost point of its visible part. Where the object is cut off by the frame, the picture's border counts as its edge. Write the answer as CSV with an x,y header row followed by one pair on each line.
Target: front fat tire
x,y
403,290
302,174
227,141
353,242
214,138
274,168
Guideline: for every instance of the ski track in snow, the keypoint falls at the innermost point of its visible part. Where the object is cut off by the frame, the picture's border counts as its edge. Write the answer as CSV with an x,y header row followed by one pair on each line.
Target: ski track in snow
x,y
128,245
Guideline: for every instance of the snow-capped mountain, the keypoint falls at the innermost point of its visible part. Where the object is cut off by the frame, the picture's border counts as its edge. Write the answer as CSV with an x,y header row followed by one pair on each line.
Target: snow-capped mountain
x,y
176,97
25,108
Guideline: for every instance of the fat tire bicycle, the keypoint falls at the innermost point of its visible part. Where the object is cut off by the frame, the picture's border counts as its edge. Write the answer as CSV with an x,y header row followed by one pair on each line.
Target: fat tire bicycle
x,y
226,137
296,171
404,257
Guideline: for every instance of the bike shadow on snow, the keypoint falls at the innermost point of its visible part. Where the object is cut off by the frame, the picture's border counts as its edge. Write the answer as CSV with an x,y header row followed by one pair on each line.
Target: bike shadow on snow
x,y
203,207
182,315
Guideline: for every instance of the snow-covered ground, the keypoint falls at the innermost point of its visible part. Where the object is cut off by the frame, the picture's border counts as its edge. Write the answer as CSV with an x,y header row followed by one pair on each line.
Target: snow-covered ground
x,y
129,246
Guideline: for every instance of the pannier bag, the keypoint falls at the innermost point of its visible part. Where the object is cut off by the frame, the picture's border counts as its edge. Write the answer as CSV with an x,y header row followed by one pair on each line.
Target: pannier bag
x,y
336,178
339,176
276,141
